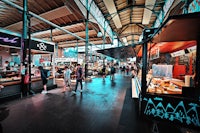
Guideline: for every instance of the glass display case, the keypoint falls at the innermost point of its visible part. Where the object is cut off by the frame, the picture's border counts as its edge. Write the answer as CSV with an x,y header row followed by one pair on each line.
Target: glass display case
x,y
162,85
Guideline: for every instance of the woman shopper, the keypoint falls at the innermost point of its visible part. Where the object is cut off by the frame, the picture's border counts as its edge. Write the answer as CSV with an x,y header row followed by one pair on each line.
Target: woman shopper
x,y
104,72
112,72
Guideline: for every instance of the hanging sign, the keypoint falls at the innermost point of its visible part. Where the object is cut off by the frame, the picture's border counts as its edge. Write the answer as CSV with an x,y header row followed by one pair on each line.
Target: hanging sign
x,y
41,46
15,41
10,40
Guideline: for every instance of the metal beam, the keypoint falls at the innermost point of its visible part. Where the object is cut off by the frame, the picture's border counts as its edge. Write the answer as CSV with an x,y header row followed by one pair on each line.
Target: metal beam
x,y
126,8
110,5
50,15
99,42
40,18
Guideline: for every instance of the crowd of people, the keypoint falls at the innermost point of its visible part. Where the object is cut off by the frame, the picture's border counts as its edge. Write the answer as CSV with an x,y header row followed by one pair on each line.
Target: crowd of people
x,y
77,72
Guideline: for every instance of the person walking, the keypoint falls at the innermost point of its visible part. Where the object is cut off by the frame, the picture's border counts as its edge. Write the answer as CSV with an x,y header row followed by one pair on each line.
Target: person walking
x,y
112,72
26,83
67,78
23,73
104,72
127,70
79,77
44,78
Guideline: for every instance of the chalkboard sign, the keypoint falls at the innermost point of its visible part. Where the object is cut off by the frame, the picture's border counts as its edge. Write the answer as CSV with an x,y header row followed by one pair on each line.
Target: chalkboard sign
x,y
177,110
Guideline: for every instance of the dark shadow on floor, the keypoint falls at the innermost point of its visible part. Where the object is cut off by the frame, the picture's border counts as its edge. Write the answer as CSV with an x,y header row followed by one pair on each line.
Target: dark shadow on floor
x,y
131,122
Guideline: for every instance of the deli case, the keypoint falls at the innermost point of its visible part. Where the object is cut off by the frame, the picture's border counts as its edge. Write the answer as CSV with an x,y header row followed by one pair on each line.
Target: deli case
x,y
172,98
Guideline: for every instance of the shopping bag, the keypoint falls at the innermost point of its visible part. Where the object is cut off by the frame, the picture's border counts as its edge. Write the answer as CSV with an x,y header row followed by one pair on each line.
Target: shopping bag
x,y
26,79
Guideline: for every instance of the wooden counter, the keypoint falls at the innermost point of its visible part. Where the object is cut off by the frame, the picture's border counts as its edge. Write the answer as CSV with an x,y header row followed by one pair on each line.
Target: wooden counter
x,y
13,88
14,82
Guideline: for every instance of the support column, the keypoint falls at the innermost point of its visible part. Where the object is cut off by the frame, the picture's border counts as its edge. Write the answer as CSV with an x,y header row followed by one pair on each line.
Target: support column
x,y
24,43
29,51
197,77
77,50
144,65
56,50
53,56
186,6
104,40
25,32
86,39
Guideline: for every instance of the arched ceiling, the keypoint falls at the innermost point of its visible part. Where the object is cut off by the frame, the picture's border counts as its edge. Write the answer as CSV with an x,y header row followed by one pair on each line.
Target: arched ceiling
x,y
127,19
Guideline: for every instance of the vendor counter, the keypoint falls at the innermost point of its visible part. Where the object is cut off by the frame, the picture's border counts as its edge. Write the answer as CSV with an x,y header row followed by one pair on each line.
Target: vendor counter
x,y
158,85
165,86
12,88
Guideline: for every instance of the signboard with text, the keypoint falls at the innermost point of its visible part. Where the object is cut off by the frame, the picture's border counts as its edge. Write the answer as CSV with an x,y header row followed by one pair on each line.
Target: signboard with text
x,y
15,41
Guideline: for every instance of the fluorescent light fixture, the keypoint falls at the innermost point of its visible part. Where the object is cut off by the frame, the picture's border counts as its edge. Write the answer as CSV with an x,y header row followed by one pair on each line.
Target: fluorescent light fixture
x,y
99,34
124,39
110,5
115,42
140,38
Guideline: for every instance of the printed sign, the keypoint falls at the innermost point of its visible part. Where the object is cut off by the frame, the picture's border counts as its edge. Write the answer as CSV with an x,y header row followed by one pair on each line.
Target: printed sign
x,y
10,40
41,46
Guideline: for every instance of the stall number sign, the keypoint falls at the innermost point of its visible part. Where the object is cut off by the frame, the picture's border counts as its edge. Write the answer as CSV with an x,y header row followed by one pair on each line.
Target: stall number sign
x,y
42,46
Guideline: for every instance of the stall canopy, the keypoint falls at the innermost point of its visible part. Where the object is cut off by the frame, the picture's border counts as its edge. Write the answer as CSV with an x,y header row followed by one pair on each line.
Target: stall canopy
x,y
168,47
122,53
178,32
184,27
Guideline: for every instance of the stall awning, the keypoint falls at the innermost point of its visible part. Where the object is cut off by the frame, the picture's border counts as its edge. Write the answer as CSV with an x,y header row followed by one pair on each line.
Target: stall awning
x,y
169,47
178,32
184,27
123,52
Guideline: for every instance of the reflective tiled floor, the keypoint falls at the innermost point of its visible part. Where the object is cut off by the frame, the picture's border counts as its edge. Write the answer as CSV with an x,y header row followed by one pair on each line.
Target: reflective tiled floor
x,y
104,106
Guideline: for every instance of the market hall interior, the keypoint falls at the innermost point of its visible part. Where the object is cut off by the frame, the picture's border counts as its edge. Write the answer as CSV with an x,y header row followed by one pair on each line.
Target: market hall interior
x,y
103,106
151,46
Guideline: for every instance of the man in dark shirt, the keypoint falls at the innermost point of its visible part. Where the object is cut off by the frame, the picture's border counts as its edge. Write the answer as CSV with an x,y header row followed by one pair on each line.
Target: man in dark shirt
x,y
79,77
44,78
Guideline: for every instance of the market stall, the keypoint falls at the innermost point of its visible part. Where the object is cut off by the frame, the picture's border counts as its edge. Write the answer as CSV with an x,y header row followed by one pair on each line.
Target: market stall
x,y
42,54
170,78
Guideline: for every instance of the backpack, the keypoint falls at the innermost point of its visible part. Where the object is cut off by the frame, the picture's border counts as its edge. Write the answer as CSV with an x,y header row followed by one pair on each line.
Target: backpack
x,y
26,79
112,70
47,73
